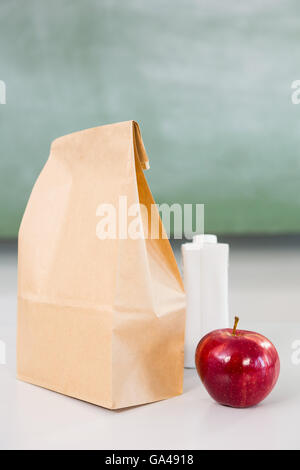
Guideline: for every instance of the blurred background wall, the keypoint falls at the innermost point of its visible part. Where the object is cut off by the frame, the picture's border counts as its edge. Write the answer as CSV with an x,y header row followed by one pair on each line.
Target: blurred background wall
x,y
208,81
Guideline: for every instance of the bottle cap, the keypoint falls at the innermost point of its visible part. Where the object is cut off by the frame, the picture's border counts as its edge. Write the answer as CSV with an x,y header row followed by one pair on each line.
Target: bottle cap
x,y
205,238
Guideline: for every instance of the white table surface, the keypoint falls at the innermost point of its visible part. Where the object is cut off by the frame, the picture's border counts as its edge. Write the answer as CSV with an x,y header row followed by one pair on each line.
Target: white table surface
x,y
35,418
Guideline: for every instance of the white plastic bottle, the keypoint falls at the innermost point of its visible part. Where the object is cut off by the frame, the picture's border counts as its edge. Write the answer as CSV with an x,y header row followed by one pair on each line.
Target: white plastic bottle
x,y
205,272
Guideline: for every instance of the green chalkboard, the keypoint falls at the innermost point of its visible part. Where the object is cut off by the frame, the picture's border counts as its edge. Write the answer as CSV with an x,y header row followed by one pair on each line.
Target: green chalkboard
x,y
208,81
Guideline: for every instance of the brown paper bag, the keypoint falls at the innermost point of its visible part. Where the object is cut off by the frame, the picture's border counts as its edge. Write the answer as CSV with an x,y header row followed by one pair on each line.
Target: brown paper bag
x,y
101,320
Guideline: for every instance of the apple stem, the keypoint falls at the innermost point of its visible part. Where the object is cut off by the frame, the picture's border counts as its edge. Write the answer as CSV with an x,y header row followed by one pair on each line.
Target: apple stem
x,y
236,320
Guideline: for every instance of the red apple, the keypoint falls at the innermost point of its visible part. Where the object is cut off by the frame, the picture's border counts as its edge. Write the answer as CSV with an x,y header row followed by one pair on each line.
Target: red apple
x,y
238,368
